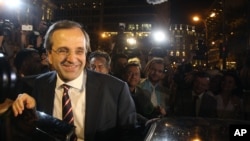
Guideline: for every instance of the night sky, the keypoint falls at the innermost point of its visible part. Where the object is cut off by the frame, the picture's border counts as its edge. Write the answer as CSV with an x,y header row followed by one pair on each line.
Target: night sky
x,y
183,10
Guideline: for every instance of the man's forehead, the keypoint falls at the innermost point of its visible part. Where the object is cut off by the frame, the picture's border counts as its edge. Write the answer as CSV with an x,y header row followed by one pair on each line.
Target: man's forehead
x,y
98,58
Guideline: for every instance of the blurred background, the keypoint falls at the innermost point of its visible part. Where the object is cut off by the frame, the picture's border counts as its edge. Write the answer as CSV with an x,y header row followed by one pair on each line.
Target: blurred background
x,y
214,33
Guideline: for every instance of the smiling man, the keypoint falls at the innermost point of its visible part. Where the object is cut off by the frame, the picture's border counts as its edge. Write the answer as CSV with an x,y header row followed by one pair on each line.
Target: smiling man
x,y
102,106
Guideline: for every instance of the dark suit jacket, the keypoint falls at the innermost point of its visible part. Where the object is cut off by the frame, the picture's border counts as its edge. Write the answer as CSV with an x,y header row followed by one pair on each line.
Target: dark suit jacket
x,y
110,110
183,105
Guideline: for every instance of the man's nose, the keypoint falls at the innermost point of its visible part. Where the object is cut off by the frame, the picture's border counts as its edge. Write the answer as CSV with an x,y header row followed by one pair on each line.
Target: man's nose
x,y
71,56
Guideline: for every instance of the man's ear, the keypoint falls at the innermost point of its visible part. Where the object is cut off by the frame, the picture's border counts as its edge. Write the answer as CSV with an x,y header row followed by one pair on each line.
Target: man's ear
x,y
49,57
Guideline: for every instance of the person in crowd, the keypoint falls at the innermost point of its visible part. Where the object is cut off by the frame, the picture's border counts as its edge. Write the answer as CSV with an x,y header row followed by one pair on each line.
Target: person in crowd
x,y
27,64
159,95
215,81
99,61
138,61
44,59
229,101
143,104
183,75
106,46
102,106
196,101
135,60
119,41
160,52
118,62
244,74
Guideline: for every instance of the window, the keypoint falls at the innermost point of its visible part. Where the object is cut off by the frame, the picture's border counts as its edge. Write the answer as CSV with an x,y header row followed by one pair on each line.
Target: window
x,y
146,27
171,53
177,53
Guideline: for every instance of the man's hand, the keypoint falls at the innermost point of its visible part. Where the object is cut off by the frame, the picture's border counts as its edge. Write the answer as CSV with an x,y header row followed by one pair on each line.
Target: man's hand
x,y
23,101
162,110
5,105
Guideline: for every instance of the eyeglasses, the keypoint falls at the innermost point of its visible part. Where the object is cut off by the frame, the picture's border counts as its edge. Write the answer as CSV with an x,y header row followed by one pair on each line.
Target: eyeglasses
x,y
65,51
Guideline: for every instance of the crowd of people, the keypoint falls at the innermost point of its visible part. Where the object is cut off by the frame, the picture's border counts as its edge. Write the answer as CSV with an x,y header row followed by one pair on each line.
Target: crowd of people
x,y
111,94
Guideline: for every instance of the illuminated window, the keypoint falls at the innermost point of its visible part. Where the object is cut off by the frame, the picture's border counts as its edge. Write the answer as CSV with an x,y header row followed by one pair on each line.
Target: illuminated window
x,y
177,53
183,53
171,53
146,27
131,27
137,27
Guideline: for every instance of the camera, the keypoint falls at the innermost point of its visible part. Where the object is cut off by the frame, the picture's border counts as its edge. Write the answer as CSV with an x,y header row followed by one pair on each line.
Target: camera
x,y
8,78
5,27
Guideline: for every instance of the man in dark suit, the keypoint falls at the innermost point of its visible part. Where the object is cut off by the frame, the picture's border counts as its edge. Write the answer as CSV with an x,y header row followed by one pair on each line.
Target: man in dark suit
x,y
196,101
102,106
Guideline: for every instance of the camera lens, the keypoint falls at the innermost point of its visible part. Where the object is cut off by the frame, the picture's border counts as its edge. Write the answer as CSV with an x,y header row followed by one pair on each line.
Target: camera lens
x,y
7,78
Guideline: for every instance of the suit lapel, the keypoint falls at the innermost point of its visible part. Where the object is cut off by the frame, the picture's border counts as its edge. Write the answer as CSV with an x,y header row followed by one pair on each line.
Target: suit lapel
x,y
93,101
51,91
47,92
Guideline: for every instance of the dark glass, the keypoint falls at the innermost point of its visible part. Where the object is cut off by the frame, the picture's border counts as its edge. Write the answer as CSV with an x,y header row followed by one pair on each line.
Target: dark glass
x,y
191,129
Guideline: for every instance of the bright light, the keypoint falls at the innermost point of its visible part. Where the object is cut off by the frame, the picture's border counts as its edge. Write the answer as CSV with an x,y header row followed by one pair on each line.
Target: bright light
x,y
156,1
1,54
103,35
131,41
168,125
159,36
12,3
196,139
196,18
212,15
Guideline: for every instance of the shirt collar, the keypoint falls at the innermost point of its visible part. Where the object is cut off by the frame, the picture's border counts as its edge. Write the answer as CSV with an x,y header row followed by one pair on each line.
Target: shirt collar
x,y
76,83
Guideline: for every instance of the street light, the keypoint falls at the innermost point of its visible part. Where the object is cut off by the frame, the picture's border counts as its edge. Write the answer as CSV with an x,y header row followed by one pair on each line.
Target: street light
x,y
198,19
204,21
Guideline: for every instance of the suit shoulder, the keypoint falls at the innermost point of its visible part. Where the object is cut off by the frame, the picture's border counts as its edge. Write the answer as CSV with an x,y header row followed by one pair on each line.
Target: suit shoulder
x,y
48,76
104,77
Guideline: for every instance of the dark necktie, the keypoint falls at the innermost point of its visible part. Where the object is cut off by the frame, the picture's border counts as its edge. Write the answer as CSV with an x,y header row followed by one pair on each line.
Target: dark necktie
x,y
67,112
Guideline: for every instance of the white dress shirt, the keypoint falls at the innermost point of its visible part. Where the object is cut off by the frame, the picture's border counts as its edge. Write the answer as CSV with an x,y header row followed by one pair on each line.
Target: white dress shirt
x,y
78,97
